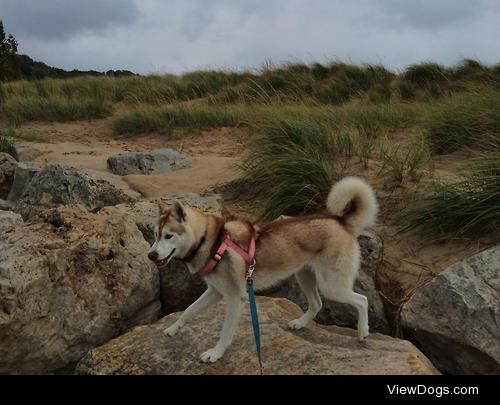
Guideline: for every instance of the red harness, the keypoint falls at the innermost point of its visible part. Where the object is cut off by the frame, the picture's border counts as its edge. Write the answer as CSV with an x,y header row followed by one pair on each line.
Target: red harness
x,y
228,242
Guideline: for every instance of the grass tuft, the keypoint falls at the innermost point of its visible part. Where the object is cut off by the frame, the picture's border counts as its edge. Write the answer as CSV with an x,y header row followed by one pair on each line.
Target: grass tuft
x,y
290,166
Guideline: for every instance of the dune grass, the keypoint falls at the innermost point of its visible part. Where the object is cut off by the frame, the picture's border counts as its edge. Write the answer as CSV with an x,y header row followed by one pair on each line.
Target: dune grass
x,y
19,110
289,166
465,120
164,119
7,145
469,205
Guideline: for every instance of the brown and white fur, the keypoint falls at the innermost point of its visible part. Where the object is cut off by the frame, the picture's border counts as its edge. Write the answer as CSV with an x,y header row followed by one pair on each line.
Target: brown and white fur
x,y
321,251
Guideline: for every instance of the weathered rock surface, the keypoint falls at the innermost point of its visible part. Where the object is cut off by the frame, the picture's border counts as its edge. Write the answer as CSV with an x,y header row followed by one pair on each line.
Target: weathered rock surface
x,y
155,161
25,171
7,169
8,220
455,318
314,350
6,205
58,185
28,153
334,313
65,289
178,287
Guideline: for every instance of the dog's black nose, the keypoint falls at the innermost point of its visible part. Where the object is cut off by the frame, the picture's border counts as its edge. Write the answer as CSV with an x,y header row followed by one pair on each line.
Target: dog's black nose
x,y
153,255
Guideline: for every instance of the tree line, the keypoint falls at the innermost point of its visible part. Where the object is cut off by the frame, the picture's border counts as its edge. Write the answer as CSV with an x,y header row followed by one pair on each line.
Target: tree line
x,y
14,66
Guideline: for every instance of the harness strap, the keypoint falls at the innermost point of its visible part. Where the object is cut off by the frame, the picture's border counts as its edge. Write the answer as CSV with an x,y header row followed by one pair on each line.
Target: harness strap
x,y
228,242
249,258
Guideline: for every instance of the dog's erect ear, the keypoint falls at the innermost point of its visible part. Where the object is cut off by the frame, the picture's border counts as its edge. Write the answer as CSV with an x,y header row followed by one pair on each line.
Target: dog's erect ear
x,y
178,211
161,209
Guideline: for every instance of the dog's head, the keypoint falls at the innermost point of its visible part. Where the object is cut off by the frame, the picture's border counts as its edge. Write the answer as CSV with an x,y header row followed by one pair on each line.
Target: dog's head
x,y
173,233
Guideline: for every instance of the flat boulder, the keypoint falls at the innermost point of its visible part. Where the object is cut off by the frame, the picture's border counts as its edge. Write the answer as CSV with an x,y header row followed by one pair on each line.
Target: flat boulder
x,y
7,169
70,286
152,162
316,349
57,185
455,318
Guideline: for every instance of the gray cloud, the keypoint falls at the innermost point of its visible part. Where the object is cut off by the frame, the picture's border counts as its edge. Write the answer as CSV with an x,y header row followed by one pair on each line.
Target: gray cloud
x,y
178,35
60,19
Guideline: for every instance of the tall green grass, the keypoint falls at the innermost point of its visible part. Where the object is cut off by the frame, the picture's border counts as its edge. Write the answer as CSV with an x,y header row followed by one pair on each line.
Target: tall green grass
x,y
7,145
19,110
465,120
470,205
289,168
163,119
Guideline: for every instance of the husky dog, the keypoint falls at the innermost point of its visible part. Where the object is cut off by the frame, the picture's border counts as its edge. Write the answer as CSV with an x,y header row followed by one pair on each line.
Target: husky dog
x,y
320,250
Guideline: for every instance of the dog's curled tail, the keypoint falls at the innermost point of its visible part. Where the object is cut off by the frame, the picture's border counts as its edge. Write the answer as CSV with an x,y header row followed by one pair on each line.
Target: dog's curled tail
x,y
353,200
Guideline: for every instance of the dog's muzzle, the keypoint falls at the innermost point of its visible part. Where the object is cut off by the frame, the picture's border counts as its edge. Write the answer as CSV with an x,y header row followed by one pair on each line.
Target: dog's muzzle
x,y
153,256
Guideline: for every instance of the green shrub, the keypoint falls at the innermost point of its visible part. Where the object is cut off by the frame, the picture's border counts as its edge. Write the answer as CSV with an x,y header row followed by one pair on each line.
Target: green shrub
x,y
7,146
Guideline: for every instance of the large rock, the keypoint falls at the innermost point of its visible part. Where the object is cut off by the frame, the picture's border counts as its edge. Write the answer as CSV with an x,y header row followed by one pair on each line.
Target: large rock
x,y
58,185
25,171
65,289
6,205
8,220
314,350
334,313
179,288
155,161
7,169
28,153
455,318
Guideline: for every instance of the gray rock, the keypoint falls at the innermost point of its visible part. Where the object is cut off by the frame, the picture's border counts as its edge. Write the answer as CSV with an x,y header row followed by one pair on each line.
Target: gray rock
x,y
334,313
28,153
316,349
7,169
6,205
455,318
8,220
155,161
178,287
68,288
57,185
25,171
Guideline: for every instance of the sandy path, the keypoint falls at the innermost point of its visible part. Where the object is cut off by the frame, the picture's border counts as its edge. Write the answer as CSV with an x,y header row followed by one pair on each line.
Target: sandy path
x,y
206,173
214,154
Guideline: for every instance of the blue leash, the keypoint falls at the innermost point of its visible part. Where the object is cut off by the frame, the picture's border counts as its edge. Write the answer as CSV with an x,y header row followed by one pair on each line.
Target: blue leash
x,y
254,314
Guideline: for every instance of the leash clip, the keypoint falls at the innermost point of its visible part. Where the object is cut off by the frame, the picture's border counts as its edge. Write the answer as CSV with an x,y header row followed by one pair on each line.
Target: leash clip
x,y
250,271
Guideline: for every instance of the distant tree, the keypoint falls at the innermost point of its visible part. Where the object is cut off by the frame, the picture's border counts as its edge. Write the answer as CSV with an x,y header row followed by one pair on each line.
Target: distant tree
x,y
9,66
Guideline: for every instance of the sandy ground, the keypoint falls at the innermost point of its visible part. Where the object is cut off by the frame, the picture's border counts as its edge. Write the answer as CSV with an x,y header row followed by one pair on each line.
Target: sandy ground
x,y
214,154
408,261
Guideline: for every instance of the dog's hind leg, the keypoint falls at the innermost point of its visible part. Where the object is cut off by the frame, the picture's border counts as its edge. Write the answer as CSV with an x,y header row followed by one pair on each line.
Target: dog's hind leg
x,y
337,285
360,302
233,312
307,283
208,298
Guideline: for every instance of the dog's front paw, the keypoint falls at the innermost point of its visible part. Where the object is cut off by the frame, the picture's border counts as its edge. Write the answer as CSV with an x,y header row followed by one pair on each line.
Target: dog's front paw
x,y
363,334
211,355
296,324
172,330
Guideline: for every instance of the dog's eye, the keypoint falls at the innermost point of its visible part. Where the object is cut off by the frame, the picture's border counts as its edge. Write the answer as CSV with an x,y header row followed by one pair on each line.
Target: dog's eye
x,y
167,236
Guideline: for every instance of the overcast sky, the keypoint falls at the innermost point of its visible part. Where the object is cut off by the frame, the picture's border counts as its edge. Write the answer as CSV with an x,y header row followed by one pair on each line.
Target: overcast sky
x,y
179,35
